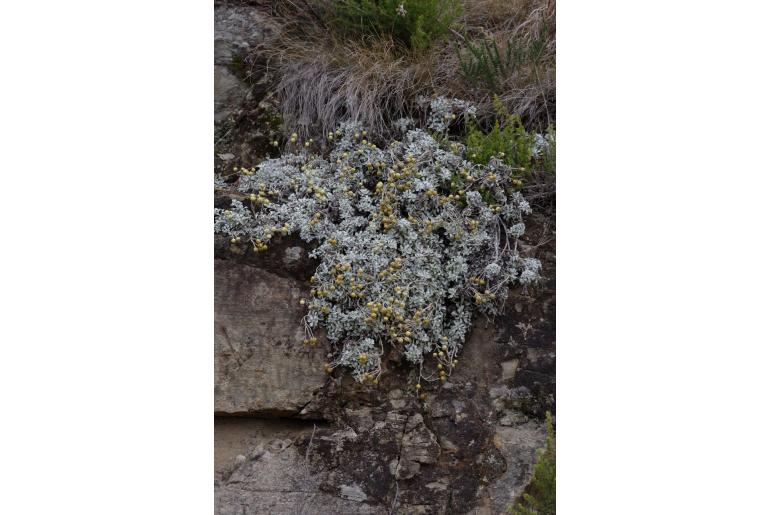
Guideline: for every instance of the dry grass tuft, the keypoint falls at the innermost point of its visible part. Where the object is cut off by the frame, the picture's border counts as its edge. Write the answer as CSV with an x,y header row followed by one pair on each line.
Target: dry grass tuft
x,y
322,82
322,79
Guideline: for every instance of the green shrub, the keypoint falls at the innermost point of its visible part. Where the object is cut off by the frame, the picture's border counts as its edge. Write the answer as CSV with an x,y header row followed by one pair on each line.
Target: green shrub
x,y
487,63
540,497
414,24
510,142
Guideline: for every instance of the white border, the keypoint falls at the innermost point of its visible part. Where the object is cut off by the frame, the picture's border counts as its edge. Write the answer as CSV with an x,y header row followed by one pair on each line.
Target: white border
x,y
107,280
106,276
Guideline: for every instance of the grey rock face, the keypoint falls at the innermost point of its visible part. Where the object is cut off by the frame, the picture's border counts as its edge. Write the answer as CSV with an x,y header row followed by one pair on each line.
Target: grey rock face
x,y
519,447
237,437
245,115
418,446
261,365
237,30
277,479
229,92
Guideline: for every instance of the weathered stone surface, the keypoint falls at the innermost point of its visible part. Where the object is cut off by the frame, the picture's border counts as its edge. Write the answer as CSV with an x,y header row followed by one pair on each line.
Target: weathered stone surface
x,y
261,365
287,256
519,447
418,446
237,437
277,479
229,92
245,115
237,30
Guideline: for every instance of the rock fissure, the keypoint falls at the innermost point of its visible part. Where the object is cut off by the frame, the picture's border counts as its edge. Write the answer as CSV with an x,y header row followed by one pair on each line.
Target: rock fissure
x,y
394,505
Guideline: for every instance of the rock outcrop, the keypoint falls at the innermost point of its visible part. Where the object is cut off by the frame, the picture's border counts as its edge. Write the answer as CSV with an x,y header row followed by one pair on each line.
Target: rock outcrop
x,y
244,116
320,444
261,366
238,29
276,479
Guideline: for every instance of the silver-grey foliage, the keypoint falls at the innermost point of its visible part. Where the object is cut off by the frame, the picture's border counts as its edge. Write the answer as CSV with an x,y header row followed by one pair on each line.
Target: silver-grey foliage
x,y
412,240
